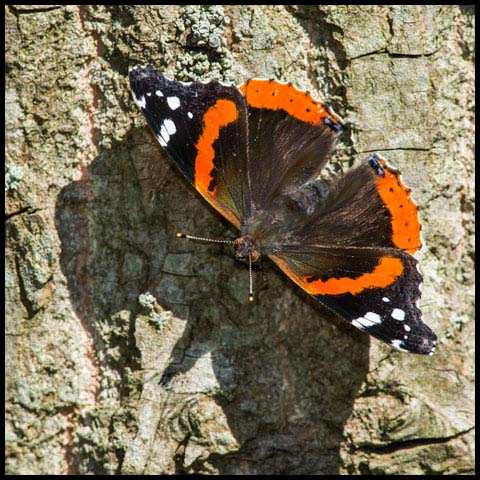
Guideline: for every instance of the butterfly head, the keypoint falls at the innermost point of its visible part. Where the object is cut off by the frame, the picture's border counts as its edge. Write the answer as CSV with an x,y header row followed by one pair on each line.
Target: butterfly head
x,y
246,246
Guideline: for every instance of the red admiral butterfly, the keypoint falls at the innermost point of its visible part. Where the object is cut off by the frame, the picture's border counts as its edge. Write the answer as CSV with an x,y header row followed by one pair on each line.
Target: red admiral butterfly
x,y
255,153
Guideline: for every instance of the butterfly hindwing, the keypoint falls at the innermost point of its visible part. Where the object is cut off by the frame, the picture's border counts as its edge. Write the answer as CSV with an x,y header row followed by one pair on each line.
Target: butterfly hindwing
x,y
290,136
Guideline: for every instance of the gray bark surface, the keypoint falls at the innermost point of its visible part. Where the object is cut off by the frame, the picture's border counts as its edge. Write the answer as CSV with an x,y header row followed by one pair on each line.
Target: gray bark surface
x,y
131,352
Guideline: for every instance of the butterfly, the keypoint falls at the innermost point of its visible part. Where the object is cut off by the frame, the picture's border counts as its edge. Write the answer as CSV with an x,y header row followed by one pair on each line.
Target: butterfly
x,y
254,153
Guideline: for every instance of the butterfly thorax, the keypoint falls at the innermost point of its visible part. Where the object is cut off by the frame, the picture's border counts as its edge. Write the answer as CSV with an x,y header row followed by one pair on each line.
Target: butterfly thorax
x,y
246,246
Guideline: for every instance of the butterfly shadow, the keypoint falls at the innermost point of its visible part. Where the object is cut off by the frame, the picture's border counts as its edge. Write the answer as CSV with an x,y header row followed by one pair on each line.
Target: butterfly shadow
x,y
283,371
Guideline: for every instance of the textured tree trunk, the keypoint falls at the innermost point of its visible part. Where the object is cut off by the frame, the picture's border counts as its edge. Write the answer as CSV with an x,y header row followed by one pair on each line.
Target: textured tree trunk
x,y
131,352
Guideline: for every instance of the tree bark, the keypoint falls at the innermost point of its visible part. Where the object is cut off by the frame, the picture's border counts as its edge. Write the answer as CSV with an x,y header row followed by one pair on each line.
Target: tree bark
x,y
131,352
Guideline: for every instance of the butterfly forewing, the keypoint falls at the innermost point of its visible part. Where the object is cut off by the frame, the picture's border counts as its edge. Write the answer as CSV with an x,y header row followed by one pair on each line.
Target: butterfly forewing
x,y
202,128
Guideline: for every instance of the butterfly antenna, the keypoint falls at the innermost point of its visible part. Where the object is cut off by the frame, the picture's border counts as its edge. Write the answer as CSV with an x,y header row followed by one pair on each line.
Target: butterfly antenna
x,y
230,242
203,239
250,294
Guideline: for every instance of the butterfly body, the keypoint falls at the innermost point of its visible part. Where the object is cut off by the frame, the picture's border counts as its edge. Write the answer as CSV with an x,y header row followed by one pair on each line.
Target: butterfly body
x,y
246,247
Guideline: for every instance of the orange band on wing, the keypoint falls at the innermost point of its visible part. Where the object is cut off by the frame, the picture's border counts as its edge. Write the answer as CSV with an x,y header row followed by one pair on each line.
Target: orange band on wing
x,y
384,274
216,117
273,95
396,197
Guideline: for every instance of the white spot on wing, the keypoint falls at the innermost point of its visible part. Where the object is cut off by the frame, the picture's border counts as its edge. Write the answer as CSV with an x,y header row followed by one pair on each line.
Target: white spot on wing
x,y
164,134
158,93
398,344
398,314
141,101
173,102
407,327
367,321
357,324
170,126
190,115
149,94
163,143
373,317
385,299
